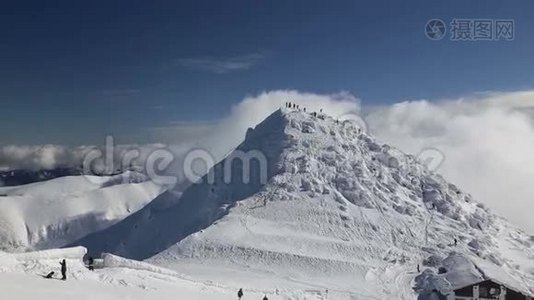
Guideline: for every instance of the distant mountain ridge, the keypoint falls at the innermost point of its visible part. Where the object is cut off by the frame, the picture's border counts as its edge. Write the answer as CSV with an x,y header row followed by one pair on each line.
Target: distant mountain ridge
x,y
24,176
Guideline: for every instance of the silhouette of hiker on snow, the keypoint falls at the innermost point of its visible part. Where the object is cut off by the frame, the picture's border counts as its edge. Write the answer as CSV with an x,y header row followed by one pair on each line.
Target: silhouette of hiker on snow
x,y
63,264
455,242
240,294
265,298
91,263
49,275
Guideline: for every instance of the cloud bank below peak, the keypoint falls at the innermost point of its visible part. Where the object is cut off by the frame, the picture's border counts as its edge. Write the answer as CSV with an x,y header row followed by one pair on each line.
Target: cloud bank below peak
x,y
487,141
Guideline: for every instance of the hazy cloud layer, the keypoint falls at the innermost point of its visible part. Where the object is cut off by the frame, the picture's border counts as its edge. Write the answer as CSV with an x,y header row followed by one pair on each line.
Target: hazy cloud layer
x,y
45,157
38,157
221,65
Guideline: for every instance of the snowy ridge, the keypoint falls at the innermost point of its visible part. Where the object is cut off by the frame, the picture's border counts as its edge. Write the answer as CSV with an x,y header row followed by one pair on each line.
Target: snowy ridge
x,y
340,211
54,213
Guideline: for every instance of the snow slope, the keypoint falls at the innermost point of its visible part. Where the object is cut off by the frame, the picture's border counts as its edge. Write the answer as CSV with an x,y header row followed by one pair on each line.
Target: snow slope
x,y
21,277
340,211
56,212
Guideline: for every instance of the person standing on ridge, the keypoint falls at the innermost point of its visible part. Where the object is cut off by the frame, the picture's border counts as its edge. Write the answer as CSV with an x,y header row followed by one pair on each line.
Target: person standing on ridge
x,y
239,294
63,264
91,263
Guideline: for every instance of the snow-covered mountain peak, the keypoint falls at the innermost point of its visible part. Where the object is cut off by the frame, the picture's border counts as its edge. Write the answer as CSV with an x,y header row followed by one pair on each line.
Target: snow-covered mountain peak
x,y
334,204
319,155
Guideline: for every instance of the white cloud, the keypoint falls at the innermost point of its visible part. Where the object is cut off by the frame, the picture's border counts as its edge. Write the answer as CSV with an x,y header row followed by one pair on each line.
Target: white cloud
x,y
487,140
222,65
37,157
48,157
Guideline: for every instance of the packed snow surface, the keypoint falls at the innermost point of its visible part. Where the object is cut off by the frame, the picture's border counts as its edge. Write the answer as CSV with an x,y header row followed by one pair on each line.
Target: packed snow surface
x,y
22,276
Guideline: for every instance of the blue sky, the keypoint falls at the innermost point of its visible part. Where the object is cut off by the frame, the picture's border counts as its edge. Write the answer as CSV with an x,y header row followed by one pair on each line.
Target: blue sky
x,y
72,71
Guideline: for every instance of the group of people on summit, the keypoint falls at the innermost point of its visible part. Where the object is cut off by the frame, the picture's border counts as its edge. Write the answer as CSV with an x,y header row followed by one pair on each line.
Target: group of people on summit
x,y
296,106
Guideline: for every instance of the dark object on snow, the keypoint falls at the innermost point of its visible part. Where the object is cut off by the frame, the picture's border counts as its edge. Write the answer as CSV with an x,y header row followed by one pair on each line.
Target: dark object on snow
x,y
49,275
265,298
455,242
63,264
418,269
91,263
490,289
442,270
240,293
23,176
